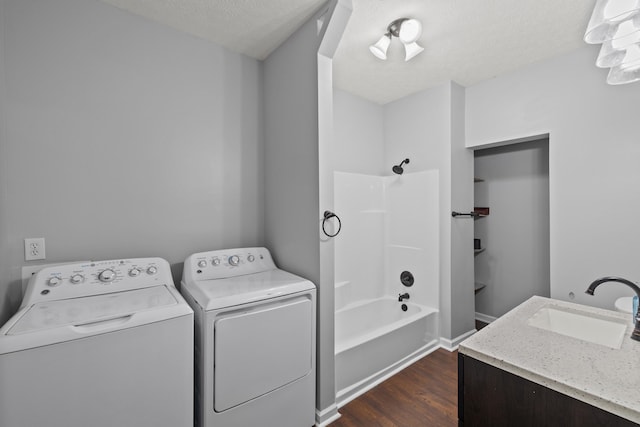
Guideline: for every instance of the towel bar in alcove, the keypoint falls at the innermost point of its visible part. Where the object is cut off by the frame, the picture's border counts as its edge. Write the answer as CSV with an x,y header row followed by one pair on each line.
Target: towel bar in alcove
x,y
469,214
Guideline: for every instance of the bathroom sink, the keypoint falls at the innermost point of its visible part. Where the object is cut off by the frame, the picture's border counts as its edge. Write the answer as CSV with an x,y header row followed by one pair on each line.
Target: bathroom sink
x,y
583,325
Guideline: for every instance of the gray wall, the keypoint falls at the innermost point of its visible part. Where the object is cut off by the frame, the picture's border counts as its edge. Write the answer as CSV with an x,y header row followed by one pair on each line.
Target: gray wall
x,y
460,287
334,23
359,136
428,127
9,296
122,138
593,163
291,152
293,87
416,127
515,264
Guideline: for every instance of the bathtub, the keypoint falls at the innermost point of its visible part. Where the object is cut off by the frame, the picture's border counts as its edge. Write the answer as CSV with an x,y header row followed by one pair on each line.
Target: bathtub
x,y
375,339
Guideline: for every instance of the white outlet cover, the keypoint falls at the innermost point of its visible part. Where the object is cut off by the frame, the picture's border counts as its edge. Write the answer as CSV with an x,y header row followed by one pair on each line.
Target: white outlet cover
x,y
34,249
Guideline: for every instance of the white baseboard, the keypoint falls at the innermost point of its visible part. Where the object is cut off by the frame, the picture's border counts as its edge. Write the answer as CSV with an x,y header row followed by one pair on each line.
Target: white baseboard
x,y
452,344
327,415
485,318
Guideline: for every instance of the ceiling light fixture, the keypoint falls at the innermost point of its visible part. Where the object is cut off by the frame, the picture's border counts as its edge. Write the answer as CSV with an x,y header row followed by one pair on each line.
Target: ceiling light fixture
x,y
408,30
616,24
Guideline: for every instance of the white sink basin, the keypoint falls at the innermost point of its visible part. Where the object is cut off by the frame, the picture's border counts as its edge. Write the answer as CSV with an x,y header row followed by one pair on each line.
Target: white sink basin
x,y
586,326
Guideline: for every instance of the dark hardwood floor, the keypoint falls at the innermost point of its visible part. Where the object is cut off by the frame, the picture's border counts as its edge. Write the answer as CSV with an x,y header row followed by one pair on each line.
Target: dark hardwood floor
x,y
423,394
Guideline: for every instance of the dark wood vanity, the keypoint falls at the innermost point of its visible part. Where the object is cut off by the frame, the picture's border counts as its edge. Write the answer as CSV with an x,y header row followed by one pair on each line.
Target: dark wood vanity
x,y
526,369
491,397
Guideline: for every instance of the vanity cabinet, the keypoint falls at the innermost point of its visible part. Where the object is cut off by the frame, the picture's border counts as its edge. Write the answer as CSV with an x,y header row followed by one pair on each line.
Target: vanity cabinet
x,y
491,397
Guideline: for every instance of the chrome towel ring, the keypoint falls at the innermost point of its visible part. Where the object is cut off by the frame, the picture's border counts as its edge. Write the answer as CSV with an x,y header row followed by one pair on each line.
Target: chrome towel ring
x,y
327,216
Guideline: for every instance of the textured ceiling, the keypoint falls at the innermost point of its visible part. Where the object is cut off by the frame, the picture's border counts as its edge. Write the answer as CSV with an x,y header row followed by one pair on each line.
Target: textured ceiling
x,y
252,27
466,41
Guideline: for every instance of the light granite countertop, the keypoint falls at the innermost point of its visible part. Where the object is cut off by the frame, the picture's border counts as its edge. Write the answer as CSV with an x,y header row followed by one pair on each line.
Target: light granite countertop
x,y
598,375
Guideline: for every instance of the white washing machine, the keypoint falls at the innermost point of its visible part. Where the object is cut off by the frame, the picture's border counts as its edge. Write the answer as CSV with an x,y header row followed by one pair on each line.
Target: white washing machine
x,y
254,340
99,344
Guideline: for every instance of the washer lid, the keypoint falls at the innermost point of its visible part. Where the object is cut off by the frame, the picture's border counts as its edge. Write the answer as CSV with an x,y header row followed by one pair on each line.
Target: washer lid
x,y
232,291
89,310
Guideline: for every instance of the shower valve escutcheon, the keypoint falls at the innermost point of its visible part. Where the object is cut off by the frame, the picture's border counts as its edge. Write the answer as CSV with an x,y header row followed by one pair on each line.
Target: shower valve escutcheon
x,y
402,297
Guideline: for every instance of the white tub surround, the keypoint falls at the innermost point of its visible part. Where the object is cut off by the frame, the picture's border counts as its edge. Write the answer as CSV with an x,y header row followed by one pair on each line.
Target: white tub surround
x,y
375,339
601,376
390,225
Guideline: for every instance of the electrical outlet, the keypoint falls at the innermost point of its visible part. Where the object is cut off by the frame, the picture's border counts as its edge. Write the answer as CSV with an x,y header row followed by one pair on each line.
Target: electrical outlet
x,y
34,249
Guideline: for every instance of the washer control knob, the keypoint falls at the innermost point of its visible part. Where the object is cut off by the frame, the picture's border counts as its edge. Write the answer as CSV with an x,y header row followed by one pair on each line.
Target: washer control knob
x,y
215,261
134,272
202,264
234,260
152,270
251,258
107,275
77,278
54,281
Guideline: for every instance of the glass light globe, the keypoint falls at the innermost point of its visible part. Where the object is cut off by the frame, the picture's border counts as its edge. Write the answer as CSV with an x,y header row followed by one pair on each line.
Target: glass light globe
x,y
619,10
411,50
380,48
410,31
613,51
628,70
607,17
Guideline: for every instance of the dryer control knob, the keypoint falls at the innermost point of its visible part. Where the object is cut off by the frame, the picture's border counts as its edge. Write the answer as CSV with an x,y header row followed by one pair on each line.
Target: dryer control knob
x,y
215,261
234,260
134,272
251,258
152,270
54,281
107,275
202,264
77,278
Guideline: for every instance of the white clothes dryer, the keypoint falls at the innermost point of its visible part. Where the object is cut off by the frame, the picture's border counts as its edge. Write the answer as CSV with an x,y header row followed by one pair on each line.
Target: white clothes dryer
x,y
254,340
100,344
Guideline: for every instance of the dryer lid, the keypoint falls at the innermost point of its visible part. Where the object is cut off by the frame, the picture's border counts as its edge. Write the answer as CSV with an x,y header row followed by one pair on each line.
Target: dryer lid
x,y
232,291
88,310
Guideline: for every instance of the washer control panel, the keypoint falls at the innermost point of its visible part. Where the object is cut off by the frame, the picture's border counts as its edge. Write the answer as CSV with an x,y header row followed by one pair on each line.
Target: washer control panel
x,y
227,263
96,278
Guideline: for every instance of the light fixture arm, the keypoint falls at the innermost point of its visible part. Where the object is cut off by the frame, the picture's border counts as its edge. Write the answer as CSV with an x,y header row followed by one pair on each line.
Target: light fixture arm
x,y
394,27
408,30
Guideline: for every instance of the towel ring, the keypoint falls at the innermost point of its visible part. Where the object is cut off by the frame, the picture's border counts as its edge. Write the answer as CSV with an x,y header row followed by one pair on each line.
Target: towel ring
x,y
327,216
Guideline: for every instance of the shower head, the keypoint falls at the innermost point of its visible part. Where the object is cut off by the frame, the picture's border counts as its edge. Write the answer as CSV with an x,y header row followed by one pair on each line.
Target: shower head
x,y
398,168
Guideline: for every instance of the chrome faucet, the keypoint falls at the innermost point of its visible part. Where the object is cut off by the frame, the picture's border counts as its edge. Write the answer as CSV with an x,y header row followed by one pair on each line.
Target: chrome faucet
x,y
404,296
635,335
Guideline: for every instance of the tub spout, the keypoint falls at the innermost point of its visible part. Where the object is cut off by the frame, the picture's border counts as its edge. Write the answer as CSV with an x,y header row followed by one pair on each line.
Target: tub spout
x,y
402,297
635,335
